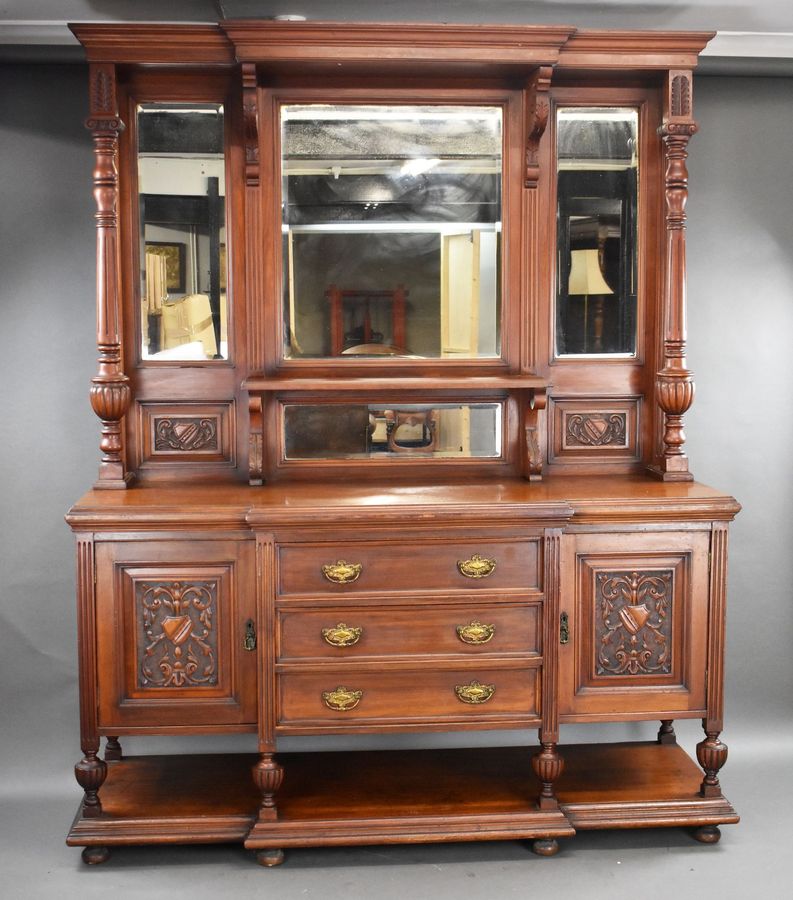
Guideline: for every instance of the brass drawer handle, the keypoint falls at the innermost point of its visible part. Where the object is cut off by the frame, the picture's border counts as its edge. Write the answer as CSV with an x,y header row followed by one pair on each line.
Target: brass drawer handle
x,y
342,635
342,572
342,699
475,633
474,692
476,567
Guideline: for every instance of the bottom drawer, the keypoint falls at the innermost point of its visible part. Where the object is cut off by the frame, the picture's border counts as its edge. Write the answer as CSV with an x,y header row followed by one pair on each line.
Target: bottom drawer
x,y
339,700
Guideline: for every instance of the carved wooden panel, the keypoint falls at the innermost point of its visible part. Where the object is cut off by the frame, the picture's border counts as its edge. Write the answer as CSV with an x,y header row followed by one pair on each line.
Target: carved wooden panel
x,y
177,633
186,432
633,622
594,429
172,620
637,606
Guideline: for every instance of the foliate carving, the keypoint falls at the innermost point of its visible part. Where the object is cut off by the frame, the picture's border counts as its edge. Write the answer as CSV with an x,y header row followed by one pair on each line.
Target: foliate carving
x,y
680,104
537,120
103,91
634,625
178,633
185,434
596,429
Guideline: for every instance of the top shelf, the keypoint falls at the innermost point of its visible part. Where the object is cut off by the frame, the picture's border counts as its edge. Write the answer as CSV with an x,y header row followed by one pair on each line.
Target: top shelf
x,y
372,384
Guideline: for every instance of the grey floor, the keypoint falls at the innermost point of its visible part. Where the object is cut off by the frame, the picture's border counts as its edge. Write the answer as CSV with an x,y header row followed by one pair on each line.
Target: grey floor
x,y
758,779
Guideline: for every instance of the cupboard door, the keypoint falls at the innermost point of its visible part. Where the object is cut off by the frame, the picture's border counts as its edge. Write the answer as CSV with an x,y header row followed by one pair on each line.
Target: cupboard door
x,y
171,634
637,619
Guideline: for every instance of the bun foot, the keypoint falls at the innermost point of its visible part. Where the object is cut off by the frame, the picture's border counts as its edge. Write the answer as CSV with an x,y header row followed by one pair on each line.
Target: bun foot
x,y
545,847
94,856
269,857
708,834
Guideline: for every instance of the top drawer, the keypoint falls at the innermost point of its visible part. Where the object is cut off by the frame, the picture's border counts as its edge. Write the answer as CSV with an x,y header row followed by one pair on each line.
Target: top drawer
x,y
358,567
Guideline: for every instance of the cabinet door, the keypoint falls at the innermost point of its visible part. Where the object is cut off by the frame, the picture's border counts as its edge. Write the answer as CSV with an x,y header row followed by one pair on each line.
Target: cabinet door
x,y
171,628
637,608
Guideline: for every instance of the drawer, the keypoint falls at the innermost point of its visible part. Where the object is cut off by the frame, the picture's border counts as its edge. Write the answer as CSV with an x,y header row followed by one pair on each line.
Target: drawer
x,y
352,632
345,568
478,694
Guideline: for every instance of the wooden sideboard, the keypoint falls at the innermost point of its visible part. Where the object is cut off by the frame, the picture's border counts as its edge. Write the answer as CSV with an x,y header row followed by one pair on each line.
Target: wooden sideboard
x,y
481,518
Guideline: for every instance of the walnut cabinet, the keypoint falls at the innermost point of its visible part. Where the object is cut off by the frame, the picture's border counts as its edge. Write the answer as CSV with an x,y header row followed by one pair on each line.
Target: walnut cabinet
x,y
392,376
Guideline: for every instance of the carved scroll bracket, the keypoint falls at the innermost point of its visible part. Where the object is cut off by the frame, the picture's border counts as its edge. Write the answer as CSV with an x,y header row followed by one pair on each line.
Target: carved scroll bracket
x,y
110,392
533,403
255,441
674,381
250,112
537,110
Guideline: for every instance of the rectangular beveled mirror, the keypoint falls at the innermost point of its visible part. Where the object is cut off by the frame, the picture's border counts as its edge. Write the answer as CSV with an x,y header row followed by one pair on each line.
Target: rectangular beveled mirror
x,y
379,430
182,188
597,208
391,230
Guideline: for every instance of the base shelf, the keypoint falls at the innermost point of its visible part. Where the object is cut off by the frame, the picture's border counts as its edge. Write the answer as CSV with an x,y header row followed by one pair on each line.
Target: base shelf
x,y
397,797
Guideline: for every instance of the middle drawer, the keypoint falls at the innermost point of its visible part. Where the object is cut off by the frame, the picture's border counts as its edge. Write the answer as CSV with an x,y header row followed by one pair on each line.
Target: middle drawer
x,y
354,632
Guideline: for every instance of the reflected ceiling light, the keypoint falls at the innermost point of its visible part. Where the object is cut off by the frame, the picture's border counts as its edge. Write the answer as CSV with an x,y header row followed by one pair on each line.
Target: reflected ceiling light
x,y
418,166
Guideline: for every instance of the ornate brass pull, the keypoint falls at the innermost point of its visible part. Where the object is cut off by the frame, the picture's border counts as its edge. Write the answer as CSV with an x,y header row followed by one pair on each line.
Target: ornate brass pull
x,y
475,633
342,635
342,572
249,641
474,692
476,567
342,699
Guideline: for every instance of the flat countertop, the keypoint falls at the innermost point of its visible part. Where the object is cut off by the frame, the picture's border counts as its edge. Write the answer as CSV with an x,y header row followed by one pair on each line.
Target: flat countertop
x,y
594,498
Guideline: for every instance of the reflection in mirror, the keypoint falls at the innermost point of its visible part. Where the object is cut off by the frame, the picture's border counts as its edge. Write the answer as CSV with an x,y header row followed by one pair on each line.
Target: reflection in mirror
x,y
182,188
597,153
373,431
391,230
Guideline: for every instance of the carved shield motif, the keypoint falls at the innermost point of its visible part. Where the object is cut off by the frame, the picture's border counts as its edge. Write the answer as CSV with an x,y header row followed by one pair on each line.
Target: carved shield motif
x,y
634,617
177,628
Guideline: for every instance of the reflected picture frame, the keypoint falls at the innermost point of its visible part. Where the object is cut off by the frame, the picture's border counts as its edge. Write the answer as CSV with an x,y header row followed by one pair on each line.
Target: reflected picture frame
x,y
175,254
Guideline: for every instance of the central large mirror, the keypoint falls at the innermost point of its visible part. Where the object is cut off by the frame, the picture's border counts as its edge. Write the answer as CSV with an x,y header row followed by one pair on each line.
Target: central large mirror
x,y
391,230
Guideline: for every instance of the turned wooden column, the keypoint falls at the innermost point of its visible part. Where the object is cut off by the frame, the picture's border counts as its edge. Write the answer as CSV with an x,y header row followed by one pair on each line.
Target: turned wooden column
x,y
674,383
110,392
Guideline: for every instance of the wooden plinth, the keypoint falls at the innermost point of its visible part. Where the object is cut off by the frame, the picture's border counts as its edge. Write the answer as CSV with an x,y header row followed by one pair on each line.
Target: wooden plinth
x,y
397,797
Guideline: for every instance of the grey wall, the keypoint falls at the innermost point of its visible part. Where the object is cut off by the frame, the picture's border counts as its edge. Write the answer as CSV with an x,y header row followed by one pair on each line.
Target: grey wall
x,y
740,428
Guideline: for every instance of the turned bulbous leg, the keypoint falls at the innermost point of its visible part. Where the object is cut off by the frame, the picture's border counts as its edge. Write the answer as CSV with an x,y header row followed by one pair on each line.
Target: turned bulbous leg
x,y
268,776
666,733
548,766
711,754
90,773
269,857
707,834
94,856
113,750
545,847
